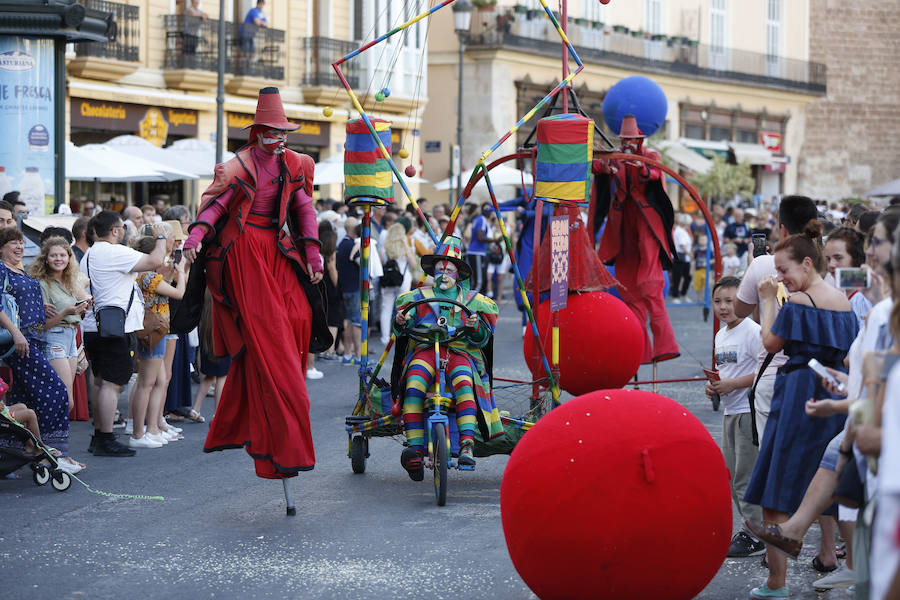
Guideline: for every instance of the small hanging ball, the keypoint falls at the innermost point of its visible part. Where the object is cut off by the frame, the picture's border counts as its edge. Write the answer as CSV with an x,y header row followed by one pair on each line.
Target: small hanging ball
x,y
327,111
410,171
386,92
379,96
404,153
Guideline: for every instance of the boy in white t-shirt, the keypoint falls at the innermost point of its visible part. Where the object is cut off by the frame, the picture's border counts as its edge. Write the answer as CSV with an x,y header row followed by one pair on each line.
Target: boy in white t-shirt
x,y
731,264
736,349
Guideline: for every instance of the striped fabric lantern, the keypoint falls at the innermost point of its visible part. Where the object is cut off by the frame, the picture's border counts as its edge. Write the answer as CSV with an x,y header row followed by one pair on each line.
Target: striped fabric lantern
x,y
367,172
564,153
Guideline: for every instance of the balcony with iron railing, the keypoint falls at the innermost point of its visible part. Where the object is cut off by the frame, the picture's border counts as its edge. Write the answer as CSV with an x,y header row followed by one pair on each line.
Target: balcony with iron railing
x,y
253,54
116,58
617,46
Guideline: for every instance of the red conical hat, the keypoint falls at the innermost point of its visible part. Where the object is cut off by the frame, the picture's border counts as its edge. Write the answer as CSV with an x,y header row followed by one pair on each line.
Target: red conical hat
x,y
630,128
270,111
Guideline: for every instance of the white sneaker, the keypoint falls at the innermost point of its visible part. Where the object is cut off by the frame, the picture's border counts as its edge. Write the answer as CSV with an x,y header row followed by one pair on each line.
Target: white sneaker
x,y
171,427
68,465
841,578
170,435
145,441
314,373
157,437
129,426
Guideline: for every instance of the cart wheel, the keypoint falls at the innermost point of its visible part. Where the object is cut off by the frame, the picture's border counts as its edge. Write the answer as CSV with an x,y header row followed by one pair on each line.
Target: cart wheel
x,y
359,450
61,481
441,457
40,474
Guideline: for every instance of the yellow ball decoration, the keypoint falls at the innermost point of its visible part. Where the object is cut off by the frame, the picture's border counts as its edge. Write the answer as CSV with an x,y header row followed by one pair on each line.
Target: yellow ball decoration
x,y
404,153
327,111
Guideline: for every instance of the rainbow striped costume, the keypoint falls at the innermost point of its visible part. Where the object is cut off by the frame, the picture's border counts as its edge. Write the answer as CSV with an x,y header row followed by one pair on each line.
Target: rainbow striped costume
x,y
466,375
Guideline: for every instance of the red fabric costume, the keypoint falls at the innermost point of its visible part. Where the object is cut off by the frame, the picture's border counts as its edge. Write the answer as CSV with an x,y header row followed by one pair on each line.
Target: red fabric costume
x,y
638,238
261,308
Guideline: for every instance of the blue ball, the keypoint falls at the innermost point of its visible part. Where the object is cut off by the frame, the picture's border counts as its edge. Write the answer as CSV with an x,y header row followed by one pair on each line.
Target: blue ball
x,y
386,92
639,96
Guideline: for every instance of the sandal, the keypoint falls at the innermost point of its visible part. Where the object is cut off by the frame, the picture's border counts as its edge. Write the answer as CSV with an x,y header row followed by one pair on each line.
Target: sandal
x,y
174,417
771,534
821,567
194,416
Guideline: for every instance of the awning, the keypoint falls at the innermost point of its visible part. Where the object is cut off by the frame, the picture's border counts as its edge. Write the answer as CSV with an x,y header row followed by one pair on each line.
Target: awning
x,y
707,148
687,158
755,154
891,188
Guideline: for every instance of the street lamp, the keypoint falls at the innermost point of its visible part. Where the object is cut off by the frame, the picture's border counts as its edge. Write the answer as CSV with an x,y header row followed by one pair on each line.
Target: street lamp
x,y
462,19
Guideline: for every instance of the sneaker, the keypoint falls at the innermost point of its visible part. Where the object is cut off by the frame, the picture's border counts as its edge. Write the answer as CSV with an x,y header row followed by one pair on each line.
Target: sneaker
x,y
350,361
171,436
129,426
314,373
69,466
145,441
842,578
742,546
172,428
111,447
93,444
763,592
465,457
156,437
328,356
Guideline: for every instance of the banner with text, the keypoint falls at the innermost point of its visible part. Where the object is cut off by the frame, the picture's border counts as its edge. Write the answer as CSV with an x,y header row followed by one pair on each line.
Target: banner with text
x,y
27,161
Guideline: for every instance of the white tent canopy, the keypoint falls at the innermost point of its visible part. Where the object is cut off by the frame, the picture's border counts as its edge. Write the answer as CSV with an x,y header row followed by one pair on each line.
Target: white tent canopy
x,y
331,170
196,156
892,188
687,158
140,148
500,175
98,162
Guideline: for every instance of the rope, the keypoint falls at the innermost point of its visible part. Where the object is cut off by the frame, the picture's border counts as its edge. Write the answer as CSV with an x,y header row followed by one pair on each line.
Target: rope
x,y
111,495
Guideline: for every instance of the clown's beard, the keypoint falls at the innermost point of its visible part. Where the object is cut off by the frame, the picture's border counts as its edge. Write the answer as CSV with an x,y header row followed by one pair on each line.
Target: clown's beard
x,y
445,283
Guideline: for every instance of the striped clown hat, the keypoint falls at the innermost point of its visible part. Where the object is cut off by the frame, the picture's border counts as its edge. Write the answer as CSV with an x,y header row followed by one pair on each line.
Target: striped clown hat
x,y
565,145
367,173
450,249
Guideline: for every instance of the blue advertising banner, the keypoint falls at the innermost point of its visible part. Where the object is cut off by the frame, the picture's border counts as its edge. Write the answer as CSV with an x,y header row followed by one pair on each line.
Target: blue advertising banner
x,y
26,118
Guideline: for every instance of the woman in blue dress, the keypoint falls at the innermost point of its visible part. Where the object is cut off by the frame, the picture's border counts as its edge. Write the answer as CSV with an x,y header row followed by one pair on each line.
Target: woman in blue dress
x,y
35,384
816,322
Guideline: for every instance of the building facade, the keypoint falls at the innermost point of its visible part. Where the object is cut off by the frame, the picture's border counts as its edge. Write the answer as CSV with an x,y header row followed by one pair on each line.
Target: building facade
x,y
737,75
159,78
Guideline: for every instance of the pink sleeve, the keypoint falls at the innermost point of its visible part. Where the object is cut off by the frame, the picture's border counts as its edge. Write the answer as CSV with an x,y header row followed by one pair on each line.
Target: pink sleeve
x,y
305,218
651,173
209,215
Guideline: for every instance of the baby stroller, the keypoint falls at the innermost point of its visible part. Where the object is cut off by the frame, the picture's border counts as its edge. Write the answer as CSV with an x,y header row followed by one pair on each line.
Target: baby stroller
x,y
12,436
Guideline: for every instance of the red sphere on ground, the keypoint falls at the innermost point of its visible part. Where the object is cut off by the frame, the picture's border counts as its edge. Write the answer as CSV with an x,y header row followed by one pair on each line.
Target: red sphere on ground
x,y
410,171
601,343
617,494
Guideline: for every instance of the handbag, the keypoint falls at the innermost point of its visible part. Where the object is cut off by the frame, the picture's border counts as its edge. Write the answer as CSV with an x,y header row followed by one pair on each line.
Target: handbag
x,y
110,319
156,327
11,308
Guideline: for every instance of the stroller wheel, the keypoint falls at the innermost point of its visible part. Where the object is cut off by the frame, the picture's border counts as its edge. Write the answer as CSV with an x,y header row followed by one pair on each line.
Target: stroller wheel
x,y
40,474
61,481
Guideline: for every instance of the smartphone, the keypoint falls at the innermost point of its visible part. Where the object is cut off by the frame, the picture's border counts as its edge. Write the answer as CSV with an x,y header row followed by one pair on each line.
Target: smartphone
x,y
80,302
177,256
848,278
819,370
147,229
759,244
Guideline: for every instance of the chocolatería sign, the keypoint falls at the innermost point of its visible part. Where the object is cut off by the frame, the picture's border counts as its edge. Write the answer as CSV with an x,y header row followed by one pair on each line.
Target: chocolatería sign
x,y
153,123
310,133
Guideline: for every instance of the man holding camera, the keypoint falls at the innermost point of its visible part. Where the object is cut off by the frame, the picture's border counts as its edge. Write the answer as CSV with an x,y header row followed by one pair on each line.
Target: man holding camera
x,y
110,266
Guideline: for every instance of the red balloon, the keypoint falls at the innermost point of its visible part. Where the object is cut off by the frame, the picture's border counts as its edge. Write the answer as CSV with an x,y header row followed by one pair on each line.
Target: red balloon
x,y
410,171
601,343
617,494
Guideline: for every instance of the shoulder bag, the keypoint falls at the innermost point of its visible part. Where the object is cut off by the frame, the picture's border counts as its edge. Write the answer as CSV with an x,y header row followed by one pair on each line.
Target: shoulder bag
x,y
110,319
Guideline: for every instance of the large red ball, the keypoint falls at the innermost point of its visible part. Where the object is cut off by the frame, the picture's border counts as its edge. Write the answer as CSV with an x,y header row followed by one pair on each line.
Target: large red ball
x,y
601,343
617,494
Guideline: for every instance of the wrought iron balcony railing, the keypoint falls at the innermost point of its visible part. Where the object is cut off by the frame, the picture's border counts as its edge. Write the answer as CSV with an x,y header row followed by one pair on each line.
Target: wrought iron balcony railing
x,y
250,50
126,45
677,56
319,53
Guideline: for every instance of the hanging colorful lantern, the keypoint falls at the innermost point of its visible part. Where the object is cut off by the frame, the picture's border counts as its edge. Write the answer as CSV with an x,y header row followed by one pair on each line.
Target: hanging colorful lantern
x,y
367,173
565,146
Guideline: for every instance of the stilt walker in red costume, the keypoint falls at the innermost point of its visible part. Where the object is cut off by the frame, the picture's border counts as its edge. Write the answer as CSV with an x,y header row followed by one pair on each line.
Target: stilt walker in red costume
x,y
638,237
258,234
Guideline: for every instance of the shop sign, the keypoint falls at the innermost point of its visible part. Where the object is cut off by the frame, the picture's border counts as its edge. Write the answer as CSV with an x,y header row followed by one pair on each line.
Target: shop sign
x,y
310,133
153,123
771,140
26,119
432,145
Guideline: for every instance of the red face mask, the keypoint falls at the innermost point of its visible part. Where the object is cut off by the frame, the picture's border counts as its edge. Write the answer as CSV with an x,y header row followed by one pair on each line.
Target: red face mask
x,y
632,145
273,140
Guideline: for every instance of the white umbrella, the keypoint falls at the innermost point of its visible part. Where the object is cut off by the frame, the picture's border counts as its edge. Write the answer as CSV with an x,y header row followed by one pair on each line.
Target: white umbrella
x,y
196,156
892,188
138,147
500,175
331,170
96,162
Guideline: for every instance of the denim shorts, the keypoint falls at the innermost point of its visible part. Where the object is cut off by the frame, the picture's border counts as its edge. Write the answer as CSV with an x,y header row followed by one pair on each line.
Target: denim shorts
x,y
831,454
157,351
60,343
351,309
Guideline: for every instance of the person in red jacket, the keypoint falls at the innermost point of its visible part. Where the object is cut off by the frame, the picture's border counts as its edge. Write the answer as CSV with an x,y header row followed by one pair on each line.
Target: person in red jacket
x,y
638,237
258,233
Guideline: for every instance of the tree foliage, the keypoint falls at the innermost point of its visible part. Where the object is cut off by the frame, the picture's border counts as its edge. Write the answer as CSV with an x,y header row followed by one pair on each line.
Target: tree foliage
x,y
724,181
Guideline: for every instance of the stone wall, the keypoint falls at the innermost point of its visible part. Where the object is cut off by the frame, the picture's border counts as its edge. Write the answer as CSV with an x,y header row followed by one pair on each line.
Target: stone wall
x,y
852,139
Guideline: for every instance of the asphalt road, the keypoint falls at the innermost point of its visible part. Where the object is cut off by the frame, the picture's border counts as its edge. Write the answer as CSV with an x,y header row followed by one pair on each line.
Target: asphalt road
x,y
222,533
